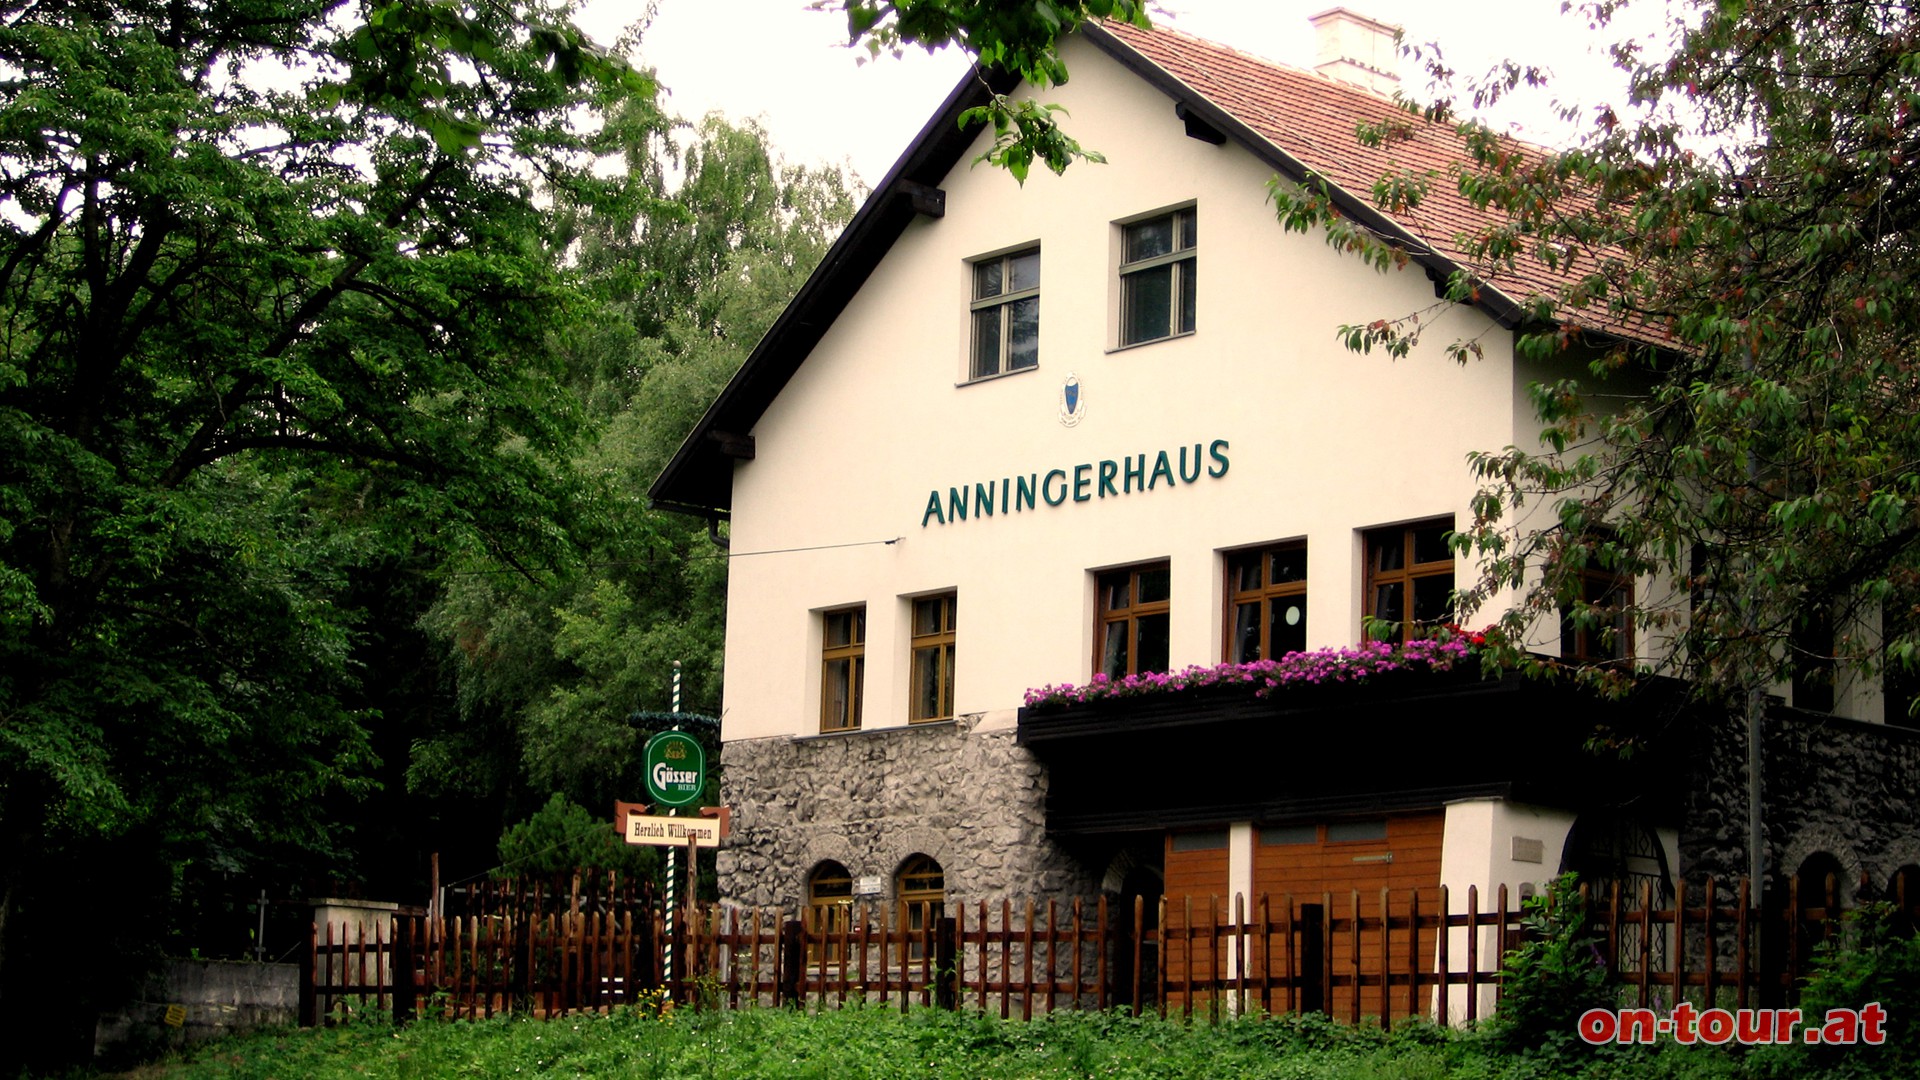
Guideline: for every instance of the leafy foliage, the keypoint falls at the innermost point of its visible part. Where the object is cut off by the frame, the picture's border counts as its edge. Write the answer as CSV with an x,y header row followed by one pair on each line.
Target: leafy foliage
x,y
1554,977
551,671
1724,371
275,285
563,835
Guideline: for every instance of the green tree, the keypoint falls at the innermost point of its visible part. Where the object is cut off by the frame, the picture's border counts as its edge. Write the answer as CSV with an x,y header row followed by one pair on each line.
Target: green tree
x,y
1743,432
688,272
562,836
275,282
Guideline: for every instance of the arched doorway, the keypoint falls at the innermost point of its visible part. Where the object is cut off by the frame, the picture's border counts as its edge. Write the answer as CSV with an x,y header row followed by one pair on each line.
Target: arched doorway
x,y
1613,852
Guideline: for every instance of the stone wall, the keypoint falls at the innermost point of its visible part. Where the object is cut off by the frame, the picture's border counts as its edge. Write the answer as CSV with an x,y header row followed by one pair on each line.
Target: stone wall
x,y
1845,787
190,1001
971,799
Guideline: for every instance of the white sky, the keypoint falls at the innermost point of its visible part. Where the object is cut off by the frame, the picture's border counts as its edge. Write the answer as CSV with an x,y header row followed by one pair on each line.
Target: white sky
x,y
789,67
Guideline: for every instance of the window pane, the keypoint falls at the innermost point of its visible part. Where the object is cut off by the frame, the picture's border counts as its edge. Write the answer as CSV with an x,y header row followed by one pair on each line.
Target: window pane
x,y
1289,631
1290,564
1244,571
1189,228
839,628
1113,658
946,680
1023,333
1246,633
1430,543
1385,551
1389,601
859,678
1153,630
926,684
986,342
1149,238
1356,830
1156,584
1114,591
1186,296
952,607
839,693
986,279
926,616
1146,301
1025,271
1430,598
1289,834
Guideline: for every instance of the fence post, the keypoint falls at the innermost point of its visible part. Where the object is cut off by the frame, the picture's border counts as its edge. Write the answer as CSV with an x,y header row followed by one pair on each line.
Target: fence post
x,y
946,994
308,1013
793,962
401,966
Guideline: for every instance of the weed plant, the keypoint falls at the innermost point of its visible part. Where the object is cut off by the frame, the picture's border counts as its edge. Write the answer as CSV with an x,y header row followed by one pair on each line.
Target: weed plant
x,y
868,1043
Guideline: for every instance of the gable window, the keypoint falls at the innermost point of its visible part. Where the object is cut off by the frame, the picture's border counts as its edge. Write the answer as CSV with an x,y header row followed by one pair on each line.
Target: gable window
x,y
1266,602
843,668
1006,314
1605,634
1132,621
1409,577
1157,277
933,635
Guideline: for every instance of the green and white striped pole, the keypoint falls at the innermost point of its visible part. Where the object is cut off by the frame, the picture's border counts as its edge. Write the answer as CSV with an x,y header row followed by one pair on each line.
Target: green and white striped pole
x,y
672,853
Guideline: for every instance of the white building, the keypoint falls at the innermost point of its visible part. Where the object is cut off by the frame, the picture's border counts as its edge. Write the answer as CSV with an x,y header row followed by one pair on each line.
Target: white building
x,y
1012,436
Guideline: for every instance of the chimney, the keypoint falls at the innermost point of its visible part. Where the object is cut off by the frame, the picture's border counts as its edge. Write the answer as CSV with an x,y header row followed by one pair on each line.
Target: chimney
x,y
1355,49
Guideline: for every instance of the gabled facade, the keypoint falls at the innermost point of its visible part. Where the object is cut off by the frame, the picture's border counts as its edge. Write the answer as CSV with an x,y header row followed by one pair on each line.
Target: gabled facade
x,y
1018,436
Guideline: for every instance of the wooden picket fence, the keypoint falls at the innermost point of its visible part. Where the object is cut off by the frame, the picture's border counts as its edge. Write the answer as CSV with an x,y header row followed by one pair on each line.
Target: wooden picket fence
x,y
1384,958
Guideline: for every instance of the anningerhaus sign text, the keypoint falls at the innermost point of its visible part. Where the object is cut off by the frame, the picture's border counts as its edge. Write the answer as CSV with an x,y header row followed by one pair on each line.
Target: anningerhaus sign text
x,y
1105,479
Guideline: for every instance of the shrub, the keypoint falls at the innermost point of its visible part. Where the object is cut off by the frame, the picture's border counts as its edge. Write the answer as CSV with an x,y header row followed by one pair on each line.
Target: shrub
x,y
1555,976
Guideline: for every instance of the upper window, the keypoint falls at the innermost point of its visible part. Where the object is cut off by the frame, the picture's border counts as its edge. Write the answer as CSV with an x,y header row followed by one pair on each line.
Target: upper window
x,y
1266,603
1409,577
1156,277
1131,630
933,633
843,668
1605,633
1812,642
1006,314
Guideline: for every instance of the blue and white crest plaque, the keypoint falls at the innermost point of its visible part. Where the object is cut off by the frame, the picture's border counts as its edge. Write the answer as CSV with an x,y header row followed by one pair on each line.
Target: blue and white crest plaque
x,y
1073,401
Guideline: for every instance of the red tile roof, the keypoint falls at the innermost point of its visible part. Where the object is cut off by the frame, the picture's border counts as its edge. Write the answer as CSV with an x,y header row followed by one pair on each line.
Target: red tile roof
x,y
1314,119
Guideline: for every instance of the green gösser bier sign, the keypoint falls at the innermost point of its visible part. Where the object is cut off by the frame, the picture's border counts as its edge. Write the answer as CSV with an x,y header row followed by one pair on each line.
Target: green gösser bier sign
x,y
676,768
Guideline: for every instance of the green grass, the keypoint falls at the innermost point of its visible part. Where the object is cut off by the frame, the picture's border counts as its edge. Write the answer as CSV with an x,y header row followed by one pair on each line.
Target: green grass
x,y
856,1043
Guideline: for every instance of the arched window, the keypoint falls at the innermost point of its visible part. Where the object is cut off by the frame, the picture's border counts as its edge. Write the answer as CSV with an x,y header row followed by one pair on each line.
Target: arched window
x,y
1819,898
1903,892
829,907
921,889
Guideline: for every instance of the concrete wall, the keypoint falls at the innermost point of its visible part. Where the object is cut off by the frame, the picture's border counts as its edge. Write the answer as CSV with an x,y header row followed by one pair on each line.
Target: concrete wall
x,y
191,1001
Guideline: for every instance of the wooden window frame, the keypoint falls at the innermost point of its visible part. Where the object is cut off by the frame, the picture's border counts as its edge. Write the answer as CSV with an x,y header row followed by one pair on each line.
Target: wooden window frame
x,y
939,641
833,911
1580,644
1407,574
1104,617
854,652
1002,303
919,901
1185,222
1264,595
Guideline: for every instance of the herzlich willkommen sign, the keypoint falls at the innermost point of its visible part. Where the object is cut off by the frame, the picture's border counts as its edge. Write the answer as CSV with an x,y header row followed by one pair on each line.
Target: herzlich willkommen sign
x,y
672,831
